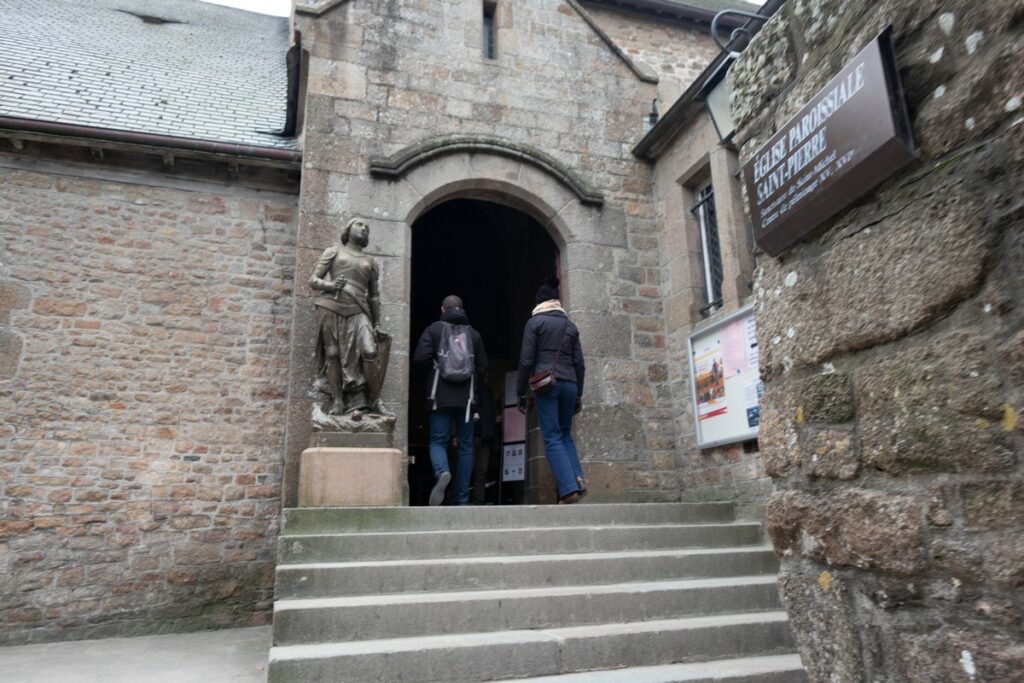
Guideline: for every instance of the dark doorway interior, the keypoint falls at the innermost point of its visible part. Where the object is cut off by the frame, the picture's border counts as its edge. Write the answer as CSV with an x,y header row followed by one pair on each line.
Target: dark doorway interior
x,y
495,258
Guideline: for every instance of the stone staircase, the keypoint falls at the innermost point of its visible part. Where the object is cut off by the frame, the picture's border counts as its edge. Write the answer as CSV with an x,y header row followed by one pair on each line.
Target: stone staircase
x,y
653,593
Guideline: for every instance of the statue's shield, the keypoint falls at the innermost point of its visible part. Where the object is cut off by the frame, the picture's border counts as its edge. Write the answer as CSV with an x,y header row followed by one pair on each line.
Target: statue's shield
x,y
376,368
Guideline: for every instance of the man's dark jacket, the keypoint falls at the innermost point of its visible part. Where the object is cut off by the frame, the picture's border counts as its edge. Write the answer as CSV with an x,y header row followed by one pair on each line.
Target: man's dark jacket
x,y
541,340
449,394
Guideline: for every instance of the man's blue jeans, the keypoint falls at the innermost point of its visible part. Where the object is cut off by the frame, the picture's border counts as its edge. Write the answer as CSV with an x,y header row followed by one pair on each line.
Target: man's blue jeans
x,y
440,431
554,413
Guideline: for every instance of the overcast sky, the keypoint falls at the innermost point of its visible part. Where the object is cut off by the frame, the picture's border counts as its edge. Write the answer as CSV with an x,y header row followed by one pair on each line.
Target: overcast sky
x,y
279,8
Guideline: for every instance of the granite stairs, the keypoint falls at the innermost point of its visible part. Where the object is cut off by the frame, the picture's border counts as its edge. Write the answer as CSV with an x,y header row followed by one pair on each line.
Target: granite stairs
x,y
652,593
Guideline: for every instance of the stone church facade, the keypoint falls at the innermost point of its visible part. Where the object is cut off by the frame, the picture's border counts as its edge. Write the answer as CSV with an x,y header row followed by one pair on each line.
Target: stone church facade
x,y
156,325
157,339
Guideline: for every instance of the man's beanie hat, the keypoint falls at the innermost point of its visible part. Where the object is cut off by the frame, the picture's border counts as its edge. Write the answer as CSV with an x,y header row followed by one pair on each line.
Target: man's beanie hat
x,y
549,290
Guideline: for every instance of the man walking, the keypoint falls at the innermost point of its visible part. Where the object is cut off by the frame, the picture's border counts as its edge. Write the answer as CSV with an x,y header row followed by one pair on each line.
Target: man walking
x,y
456,353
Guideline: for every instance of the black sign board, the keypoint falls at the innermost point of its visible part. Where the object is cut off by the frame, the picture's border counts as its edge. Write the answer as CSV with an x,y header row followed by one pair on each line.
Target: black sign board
x,y
852,135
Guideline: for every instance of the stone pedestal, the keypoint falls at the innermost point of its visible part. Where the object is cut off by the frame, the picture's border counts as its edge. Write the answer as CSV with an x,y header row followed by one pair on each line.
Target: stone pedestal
x,y
343,477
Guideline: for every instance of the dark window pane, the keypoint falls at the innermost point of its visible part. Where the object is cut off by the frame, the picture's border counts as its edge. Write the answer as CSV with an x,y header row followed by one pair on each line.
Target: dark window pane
x,y
710,249
488,31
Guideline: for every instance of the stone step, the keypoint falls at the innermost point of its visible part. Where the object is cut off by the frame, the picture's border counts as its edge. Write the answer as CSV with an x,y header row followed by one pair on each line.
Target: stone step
x,y
500,541
498,655
372,617
776,669
518,571
380,519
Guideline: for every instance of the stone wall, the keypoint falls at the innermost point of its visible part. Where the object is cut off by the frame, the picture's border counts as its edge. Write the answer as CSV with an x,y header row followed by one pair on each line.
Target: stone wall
x,y
384,76
892,354
676,50
144,325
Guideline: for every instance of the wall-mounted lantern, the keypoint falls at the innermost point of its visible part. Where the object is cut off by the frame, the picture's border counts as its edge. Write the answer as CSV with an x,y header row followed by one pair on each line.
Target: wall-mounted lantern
x,y
651,118
714,92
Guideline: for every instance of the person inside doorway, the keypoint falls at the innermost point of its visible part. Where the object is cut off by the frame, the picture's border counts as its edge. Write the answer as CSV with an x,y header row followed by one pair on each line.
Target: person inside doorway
x,y
455,352
483,442
552,342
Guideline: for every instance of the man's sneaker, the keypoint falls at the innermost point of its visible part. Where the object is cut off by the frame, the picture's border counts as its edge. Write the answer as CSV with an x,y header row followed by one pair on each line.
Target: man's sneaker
x,y
437,493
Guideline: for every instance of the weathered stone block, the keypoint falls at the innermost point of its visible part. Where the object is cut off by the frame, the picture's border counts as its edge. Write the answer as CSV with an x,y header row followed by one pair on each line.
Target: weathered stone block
x,y
590,290
442,172
821,614
939,513
1005,559
1013,355
941,241
609,433
608,481
828,398
586,256
949,116
386,199
13,296
951,654
778,432
962,558
936,407
816,21
10,353
605,225
856,528
993,504
829,453
604,336
337,79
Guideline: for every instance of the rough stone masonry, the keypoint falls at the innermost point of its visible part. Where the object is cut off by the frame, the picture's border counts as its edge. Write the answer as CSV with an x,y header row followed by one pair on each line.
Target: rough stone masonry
x,y
143,367
893,355
147,378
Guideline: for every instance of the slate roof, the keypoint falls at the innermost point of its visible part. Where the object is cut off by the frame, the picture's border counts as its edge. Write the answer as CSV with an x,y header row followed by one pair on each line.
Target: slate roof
x,y
217,75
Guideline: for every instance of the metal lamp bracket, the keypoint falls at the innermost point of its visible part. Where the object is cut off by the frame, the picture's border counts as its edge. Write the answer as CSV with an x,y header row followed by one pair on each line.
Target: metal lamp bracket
x,y
736,33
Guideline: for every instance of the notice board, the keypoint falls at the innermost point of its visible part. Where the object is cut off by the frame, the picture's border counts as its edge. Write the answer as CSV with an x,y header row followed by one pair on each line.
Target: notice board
x,y
513,450
725,379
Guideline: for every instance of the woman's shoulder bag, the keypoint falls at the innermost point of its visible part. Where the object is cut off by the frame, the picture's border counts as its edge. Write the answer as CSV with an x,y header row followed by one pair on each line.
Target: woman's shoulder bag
x,y
544,381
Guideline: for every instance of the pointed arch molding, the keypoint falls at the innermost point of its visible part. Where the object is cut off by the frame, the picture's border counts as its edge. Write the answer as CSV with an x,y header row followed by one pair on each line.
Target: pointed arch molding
x,y
397,165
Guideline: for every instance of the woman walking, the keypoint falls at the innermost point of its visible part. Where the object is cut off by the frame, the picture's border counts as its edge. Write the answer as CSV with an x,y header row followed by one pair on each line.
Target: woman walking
x,y
551,351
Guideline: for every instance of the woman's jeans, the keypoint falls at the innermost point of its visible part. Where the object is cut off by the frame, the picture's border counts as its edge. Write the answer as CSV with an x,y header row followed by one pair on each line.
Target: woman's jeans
x,y
440,431
554,413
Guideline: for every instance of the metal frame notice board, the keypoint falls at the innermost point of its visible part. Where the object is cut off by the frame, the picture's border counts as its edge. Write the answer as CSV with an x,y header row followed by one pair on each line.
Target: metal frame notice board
x,y
725,380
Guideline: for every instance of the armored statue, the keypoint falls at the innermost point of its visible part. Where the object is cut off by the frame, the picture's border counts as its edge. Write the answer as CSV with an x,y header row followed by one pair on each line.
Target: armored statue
x,y
351,350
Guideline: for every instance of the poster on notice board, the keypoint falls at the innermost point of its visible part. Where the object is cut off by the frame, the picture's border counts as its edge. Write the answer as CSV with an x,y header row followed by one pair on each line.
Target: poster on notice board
x,y
725,379
513,462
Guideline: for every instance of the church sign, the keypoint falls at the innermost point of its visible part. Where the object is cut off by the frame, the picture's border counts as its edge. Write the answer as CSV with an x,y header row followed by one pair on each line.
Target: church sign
x,y
852,135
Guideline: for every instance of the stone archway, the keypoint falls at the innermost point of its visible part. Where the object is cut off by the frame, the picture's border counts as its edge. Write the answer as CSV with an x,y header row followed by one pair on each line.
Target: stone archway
x,y
399,190
429,174
494,258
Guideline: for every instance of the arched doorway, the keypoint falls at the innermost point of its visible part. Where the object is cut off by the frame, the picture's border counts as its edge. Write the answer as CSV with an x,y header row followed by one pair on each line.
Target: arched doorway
x,y
494,257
